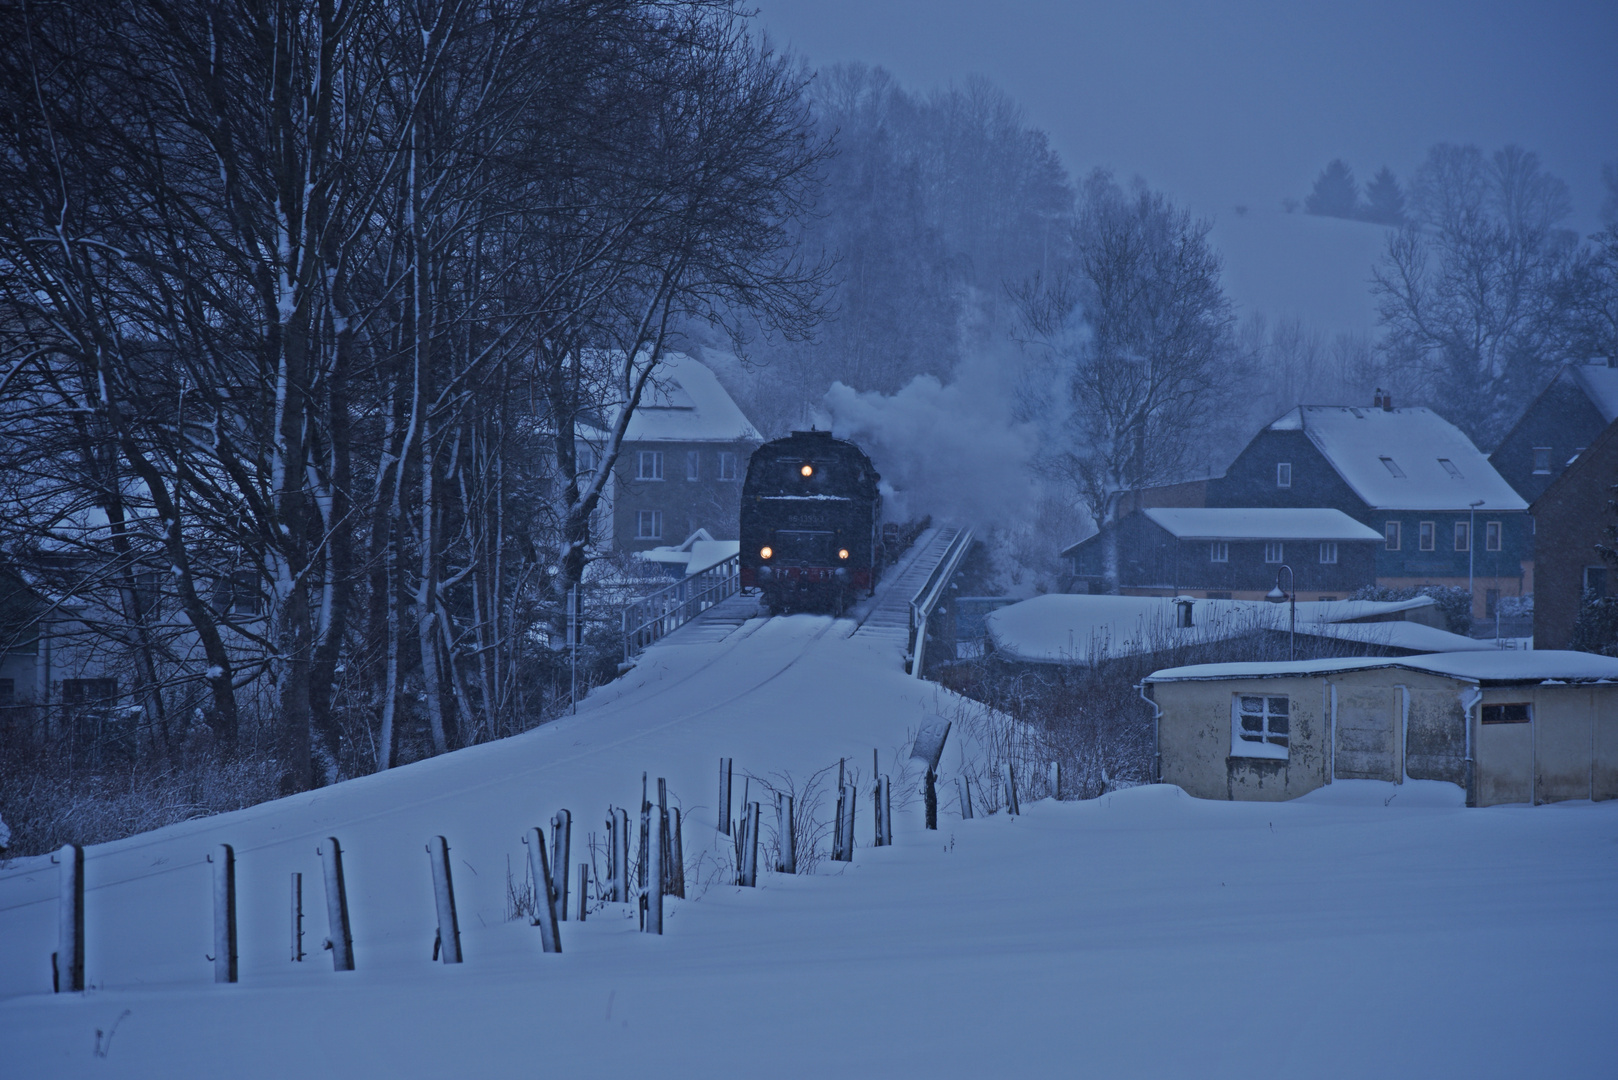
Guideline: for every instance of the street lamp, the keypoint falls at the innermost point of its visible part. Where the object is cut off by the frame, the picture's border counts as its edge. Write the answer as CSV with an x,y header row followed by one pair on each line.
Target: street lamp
x,y
1275,596
1471,557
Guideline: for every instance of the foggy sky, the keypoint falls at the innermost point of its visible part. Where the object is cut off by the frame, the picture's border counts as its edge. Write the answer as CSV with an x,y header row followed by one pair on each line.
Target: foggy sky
x,y
1243,103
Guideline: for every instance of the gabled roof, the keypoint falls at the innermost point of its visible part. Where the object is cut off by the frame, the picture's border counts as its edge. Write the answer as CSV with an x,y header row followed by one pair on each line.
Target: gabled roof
x,y
685,403
1403,459
1259,523
1599,383
1483,666
1595,452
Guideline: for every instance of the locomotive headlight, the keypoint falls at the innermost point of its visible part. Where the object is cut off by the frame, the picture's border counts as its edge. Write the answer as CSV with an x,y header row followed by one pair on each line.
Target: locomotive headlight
x,y
807,470
765,552
842,553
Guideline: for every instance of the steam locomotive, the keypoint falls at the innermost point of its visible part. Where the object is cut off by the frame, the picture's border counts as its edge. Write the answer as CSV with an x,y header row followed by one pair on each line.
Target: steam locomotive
x,y
811,535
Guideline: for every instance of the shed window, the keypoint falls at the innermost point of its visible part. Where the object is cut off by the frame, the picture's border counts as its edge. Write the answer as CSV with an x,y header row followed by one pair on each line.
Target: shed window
x,y
1542,461
651,465
1491,535
1514,713
1260,725
1272,551
1429,536
1392,531
1283,474
1219,551
1328,552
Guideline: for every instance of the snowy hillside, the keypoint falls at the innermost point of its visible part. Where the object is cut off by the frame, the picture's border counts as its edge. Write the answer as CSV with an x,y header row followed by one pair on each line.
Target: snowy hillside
x,y
1365,929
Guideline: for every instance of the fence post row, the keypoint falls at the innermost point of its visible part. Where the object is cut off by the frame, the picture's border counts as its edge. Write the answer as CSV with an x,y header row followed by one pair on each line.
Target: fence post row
x,y
341,939
561,856
223,858
724,795
448,945
786,838
539,868
67,965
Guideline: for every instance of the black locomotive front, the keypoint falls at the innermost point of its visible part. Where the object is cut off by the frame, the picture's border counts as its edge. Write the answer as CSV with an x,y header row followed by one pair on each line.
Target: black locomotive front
x,y
810,528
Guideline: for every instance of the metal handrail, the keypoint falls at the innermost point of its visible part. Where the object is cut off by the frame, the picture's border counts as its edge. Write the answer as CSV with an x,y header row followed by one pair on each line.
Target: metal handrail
x,y
657,614
927,598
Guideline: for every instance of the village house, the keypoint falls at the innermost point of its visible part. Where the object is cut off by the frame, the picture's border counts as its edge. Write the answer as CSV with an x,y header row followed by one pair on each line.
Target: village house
x,y
1226,554
1557,426
1507,726
1572,517
684,456
1446,517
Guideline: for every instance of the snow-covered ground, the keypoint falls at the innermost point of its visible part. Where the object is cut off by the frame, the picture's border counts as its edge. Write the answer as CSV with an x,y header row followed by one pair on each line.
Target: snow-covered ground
x,y
1365,929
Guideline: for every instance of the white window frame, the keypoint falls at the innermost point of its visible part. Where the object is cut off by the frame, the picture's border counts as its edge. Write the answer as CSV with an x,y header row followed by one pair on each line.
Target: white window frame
x,y
727,465
1274,551
1493,534
1392,535
645,518
649,465
1463,529
584,458
1283,474
1427,536
1219,551
693,464
1271,744
1328,553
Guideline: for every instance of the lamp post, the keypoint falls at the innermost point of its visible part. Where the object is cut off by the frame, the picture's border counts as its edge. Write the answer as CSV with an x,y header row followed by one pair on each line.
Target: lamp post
x,y
1275,596
1471,556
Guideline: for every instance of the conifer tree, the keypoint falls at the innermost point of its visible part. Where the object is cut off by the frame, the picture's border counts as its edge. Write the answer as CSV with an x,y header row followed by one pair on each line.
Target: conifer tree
x,y
1336,193
1384,200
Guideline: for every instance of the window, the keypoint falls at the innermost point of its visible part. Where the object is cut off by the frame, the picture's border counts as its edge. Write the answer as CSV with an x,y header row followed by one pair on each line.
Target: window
x,y
86,693
1491,536
245,597
1272,551
649,525
1542,461
1393,467
1463,536
1260,726
1595,581
1219,551
1211,595
1391,531
1513,713
1283,474
693,464
1449,467
1328,552
727,465
650,465
8,691
1429,536
584,457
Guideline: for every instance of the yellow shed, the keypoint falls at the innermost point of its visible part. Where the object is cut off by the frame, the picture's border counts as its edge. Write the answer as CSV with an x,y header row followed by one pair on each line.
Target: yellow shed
x,y
1507,726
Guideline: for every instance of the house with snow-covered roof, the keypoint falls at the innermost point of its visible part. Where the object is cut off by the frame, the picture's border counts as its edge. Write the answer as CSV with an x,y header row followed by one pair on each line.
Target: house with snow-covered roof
x,y
1445,515
684,455
1506,726
1557,426
1228,553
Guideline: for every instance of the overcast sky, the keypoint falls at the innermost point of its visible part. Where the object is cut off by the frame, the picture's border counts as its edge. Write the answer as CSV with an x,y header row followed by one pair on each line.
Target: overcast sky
x,y
1243,103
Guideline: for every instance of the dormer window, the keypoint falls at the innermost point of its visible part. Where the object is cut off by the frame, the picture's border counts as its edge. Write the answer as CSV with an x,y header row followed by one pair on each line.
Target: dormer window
x,y
1393,467
1449,467
1283,474
1542,461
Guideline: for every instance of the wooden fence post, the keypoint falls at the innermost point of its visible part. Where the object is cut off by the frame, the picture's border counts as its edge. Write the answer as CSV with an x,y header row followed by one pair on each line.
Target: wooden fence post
x,y
539,868
724,795
784,836
341,939
1055,781
561,856
584,890
848,826
887,811
448,944
622,884
645,834
223,858
652,882
676,853
297,918
750,845
68,963
666,837
837,826
963,788
1010,779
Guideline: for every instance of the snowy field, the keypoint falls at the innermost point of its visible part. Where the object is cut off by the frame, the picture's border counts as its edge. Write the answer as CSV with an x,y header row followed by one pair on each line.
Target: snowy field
x,y
1364,930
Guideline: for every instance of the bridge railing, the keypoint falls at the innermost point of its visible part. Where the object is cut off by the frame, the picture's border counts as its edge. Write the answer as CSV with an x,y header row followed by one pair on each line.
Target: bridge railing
x,y
652,616
930,595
